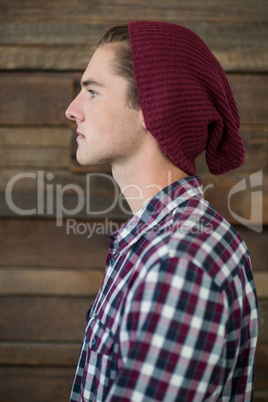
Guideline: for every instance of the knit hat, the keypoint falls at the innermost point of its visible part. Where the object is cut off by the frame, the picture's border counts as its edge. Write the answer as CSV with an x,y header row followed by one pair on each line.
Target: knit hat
x,y
186,100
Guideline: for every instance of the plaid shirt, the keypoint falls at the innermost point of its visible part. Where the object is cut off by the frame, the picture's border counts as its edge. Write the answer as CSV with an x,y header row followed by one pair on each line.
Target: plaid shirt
x,y
176,316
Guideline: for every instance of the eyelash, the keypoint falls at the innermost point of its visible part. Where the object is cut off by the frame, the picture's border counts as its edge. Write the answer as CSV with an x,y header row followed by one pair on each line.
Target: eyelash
x,y
92,93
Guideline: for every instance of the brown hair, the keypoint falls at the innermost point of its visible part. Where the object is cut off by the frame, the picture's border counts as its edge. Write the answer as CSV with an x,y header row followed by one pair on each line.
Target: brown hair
x,y
118,36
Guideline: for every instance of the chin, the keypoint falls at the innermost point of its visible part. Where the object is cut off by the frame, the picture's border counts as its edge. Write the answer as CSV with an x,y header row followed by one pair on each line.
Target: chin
x,y
82,159
86,160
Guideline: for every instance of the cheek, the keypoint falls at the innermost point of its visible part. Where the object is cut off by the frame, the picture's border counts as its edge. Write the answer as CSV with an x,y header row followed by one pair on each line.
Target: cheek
x,y
111,123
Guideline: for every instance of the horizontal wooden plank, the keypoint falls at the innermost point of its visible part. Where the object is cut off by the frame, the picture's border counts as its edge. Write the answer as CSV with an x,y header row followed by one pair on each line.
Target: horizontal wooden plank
x,y
40,137
245,34
62,319
233,197
256,243
237,208
13,139
263,322
52,33
249,90
242,59
40,148
43,98
233,59
39,354
36,384
42,354
67,205
251,96
51,384
32,157
134,9
99,176
28,180
34,99
95,195
25,243
261,282
43,319
89,241
66,354
239,46
40,243
260,396
49,282
261,369
47,57
194,10
255,139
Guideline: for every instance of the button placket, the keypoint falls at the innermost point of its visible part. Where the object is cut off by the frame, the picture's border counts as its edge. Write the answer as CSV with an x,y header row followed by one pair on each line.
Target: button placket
x,y
93,343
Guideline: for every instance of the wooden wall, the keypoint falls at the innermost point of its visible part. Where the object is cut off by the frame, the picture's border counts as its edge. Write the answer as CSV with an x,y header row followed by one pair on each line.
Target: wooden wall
x,y
48,277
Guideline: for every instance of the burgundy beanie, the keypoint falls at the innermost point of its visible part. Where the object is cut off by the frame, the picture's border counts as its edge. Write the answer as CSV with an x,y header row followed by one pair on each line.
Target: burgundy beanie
x,y
186,100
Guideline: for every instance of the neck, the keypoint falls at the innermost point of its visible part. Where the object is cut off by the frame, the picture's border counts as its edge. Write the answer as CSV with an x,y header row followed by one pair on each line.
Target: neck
x,y
141,180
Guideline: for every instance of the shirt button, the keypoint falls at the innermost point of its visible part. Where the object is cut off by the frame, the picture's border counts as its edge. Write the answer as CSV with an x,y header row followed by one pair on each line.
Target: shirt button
x,y
93,342
111,261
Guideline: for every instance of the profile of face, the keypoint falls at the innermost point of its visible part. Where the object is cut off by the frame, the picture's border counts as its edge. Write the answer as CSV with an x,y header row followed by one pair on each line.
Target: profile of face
x,y
108,129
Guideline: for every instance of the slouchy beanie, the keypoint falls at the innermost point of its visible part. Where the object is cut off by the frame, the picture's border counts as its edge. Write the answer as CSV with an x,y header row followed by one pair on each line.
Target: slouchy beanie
x,y
186,100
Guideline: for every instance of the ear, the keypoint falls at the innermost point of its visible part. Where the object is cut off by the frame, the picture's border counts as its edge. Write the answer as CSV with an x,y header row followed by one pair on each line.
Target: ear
x,y
143,121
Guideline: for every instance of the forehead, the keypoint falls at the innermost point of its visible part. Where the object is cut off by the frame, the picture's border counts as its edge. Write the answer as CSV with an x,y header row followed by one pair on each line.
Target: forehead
x,y
100,67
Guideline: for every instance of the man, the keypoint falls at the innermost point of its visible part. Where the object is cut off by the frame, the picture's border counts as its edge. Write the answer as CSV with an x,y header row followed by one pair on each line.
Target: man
x,y
176,316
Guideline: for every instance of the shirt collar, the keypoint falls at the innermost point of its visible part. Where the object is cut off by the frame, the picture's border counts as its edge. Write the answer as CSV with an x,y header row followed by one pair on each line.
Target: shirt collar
x,y
155,210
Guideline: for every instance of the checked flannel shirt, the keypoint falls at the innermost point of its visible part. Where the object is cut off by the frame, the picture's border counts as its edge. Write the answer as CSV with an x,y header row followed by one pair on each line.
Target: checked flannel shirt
x,y
176,316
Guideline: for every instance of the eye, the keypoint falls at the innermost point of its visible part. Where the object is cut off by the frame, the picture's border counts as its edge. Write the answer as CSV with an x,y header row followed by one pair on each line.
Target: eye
x,y
92,93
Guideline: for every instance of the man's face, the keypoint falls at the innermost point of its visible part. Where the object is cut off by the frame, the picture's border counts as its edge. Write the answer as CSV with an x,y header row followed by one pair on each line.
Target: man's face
x,y
109,131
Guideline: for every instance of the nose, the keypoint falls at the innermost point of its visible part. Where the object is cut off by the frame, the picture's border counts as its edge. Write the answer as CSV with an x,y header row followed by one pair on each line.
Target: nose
x,y
74,111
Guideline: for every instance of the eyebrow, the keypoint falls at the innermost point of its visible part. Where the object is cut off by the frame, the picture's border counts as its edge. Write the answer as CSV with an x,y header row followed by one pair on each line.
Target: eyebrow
x,y
89,82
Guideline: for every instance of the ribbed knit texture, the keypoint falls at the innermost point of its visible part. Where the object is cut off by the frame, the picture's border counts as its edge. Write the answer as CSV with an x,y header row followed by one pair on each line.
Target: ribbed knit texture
x,y
186,100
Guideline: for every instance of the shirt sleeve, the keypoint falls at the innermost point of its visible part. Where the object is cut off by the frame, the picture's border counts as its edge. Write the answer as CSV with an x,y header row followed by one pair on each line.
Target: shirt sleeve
x,y
172,336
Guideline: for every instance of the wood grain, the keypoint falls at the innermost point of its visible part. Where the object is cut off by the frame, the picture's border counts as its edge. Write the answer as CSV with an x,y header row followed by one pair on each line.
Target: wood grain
x,y
263,319
72,282
39,354
35,158
43,319
47,57
49,274
66,354
135,9
36,384
97,184
43,99
238,34
60,319
261,368
218,191
36,45
53,384
34,99
86,202
249,91
255,138
41,243
52,282
41,137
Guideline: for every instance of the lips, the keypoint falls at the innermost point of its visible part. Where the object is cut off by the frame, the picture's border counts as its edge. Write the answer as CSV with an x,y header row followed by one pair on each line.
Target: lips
x,y
80,136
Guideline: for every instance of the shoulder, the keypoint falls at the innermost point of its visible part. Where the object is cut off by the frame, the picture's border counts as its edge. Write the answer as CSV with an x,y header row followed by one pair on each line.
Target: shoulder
x,y
195,236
